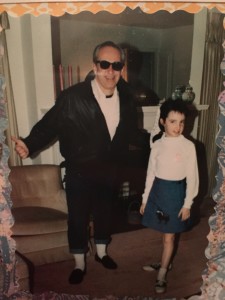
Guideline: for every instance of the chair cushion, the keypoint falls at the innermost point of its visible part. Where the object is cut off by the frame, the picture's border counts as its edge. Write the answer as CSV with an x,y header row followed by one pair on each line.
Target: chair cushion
x,y
37,185
38,220
41,242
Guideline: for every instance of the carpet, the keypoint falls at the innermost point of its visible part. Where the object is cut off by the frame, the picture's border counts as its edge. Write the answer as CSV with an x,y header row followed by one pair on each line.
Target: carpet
x,y
54,296
131,250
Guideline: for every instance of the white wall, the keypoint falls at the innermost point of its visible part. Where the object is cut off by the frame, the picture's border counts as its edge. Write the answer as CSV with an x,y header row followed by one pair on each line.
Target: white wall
x,y
30,58
78,39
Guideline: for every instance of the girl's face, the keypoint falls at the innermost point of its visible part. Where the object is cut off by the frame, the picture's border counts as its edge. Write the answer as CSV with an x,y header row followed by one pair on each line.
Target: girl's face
x,y
174,124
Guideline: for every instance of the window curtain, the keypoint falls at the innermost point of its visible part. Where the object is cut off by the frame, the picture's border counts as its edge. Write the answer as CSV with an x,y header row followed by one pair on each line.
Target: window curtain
x,y
211,87
12,129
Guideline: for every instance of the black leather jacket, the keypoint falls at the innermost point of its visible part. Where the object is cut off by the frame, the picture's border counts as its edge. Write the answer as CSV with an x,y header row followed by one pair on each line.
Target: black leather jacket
x,y
77,122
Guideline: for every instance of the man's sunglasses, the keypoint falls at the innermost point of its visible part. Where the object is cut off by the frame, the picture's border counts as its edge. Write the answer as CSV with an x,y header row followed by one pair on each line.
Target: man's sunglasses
x,y
104,64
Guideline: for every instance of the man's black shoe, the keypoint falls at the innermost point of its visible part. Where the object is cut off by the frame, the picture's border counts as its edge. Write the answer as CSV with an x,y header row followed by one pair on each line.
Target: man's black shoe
x,y
106,261
76,276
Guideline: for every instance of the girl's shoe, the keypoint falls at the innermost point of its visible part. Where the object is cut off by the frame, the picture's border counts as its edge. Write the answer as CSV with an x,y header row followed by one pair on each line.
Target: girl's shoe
x,y
160,286
154,267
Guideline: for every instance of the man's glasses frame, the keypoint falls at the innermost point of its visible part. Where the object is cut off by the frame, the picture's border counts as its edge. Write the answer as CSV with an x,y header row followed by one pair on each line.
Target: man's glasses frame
x,y
116,65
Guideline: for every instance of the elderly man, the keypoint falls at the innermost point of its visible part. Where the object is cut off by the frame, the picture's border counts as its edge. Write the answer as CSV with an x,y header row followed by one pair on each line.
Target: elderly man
x,y
94,121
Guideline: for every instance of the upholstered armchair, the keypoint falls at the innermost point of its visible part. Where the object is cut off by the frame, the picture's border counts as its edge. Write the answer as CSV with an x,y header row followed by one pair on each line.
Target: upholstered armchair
x,y
40,213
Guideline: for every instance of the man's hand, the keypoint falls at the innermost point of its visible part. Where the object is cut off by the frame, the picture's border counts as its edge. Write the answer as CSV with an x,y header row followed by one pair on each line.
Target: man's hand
x,y
20,147
142,208
184,214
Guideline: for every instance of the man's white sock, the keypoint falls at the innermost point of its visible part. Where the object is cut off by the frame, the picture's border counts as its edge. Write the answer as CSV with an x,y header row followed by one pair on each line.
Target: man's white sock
x,y
101,250
79,261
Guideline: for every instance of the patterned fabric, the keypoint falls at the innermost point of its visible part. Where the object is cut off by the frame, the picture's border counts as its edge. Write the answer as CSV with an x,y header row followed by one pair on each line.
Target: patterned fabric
x,y
7,244
214,276
52,296
59,9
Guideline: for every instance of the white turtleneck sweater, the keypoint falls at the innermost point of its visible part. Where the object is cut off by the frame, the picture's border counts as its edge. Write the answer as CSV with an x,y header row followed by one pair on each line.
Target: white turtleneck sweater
x,y
173,158
109,106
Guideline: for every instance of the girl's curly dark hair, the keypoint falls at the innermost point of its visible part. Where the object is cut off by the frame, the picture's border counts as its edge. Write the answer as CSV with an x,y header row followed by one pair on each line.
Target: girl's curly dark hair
x,y
172,105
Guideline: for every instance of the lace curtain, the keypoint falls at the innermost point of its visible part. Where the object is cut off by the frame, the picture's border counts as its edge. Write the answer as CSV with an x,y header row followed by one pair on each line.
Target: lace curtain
x,y
211,87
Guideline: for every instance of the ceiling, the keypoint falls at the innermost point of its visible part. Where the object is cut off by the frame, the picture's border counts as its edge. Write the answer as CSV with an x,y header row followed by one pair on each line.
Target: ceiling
x,y
136,18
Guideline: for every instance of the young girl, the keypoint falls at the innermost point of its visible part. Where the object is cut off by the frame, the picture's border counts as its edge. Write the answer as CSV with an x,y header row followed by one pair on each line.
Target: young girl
x,y
171,183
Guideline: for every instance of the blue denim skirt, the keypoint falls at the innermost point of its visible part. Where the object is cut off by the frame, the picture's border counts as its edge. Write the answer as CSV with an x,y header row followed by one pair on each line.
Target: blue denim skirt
x,y
164,203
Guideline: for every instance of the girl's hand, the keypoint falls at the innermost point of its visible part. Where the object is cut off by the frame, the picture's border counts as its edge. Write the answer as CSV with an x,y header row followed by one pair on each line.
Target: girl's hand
x,y
142,208
184,214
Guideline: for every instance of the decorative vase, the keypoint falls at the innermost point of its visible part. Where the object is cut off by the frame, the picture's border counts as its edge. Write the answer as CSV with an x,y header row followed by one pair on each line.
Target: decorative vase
x,y
177,94
188,94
